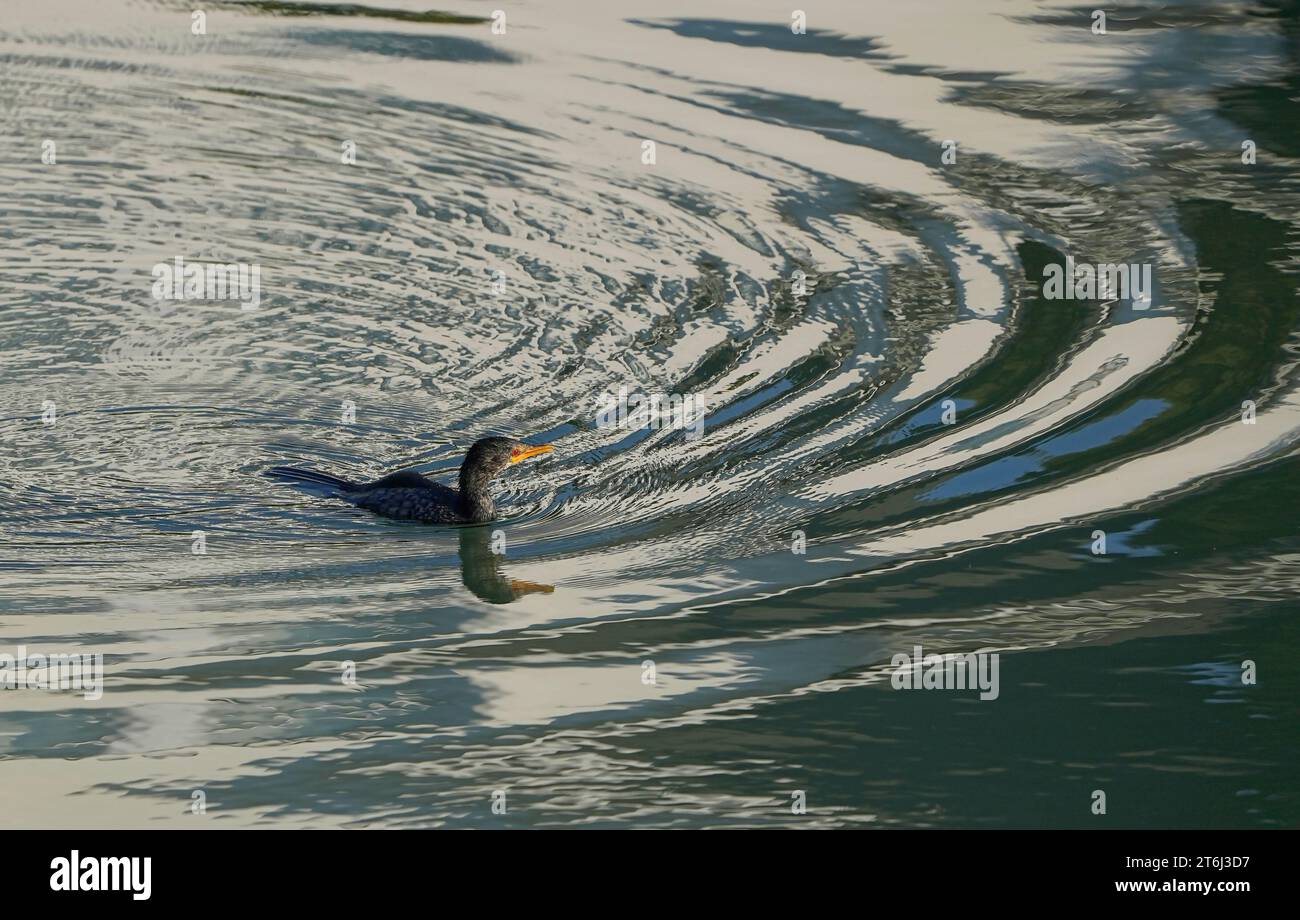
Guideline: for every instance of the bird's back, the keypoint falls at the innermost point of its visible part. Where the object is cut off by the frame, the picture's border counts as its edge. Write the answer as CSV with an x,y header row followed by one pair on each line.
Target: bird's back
x,y
409,496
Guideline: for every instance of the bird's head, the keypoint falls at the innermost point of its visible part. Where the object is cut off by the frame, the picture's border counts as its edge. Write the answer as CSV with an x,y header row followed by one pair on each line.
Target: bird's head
x,y
489,456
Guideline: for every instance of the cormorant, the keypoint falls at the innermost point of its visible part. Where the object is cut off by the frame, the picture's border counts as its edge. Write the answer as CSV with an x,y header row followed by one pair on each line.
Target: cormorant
x,y
409,496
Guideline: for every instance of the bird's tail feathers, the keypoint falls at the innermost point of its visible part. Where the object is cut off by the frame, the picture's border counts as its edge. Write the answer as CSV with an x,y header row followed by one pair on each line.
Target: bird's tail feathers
x,y
309,477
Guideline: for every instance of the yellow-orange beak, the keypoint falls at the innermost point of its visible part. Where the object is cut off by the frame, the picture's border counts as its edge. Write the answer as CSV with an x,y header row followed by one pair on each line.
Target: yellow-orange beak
x,y
531,452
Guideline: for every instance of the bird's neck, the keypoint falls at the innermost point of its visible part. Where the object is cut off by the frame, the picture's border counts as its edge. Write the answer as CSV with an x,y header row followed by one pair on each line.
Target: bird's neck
x,y
475,499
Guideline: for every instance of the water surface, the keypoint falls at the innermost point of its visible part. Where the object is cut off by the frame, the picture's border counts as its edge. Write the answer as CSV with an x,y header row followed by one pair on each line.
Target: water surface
x,y
944,439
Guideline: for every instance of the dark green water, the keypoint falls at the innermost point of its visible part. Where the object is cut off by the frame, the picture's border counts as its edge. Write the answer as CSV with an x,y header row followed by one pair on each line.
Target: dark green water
x,y
945,438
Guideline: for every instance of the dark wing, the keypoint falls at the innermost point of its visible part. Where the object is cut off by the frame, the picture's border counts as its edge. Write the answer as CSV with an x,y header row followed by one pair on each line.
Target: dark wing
x,y
408,496
406,479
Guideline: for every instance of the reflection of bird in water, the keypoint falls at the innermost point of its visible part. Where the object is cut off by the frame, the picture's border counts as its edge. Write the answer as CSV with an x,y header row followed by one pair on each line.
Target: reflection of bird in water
x,y
409,496
480,569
